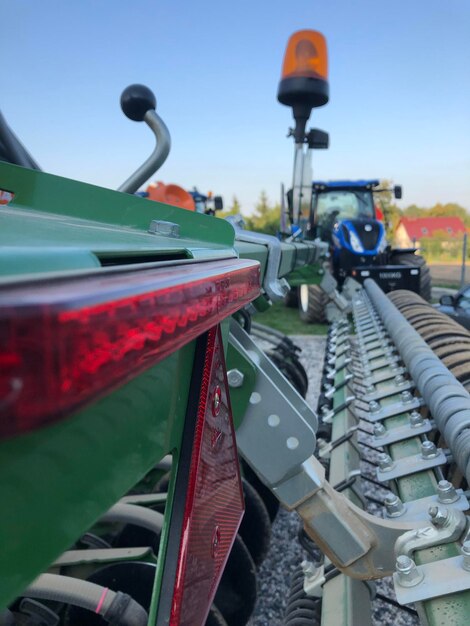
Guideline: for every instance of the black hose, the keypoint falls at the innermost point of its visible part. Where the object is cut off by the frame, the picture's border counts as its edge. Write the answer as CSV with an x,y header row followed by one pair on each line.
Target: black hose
x,y
301,610
116,608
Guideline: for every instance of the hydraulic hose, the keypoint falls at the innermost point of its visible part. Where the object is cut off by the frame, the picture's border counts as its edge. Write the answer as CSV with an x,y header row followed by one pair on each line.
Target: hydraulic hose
x,y
133,514
116,608
446,397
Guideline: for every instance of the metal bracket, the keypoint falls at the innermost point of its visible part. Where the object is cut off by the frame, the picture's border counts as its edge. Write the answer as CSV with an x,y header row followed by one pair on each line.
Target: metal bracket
x,y
277,416
390,390
401,433
415,510
275,287
397,408
438,578
314,579
384,376
411,465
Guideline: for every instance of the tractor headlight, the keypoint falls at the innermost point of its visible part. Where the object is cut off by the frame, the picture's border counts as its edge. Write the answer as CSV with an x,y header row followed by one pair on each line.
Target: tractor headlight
x,y
356,244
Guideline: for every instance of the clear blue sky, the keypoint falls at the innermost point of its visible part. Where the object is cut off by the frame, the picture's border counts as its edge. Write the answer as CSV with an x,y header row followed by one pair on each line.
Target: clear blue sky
x,y
399,90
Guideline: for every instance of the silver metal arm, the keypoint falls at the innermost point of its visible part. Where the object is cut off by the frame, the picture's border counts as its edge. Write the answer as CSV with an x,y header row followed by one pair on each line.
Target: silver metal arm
x,y
156,159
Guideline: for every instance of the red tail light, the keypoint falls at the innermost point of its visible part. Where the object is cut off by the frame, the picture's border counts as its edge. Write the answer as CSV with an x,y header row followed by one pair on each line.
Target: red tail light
x,y
214,500
65,343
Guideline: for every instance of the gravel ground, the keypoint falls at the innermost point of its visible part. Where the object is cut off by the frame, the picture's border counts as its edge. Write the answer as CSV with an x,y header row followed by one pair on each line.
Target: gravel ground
x,y
286,554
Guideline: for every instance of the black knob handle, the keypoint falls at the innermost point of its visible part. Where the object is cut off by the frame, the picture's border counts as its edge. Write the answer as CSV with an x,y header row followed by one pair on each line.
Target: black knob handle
x,y
136,100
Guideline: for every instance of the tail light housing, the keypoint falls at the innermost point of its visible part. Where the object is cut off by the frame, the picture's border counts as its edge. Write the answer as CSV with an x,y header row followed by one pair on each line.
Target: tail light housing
x,y
65,343
214,503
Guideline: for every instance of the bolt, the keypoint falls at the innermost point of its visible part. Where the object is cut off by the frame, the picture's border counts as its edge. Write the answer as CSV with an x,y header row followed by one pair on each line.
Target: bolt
x,y
406,396
385,462
446,492
379,430
235,378
466,555
416,419
393,505
370,389
399,379
308,569
428,450
408,575
374,407
216,401
161,227
438,516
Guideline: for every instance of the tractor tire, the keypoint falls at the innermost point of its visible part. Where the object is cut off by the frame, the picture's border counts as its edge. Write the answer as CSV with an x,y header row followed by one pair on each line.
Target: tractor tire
x,y
415,260
291,299
312,302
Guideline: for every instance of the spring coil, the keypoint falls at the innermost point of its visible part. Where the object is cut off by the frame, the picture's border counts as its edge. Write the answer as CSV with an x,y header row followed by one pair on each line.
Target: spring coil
x,y
301,610
447,400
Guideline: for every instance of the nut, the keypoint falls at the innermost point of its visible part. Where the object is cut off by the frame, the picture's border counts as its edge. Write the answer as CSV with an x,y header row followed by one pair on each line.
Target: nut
x,y
416,419
408,574
466,555
438,515
394,507
385,462
446,492
235,378
428,450
379,430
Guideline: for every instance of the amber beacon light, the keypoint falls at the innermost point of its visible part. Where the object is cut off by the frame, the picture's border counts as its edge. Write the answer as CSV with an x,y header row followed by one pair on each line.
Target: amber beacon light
x,y
304,80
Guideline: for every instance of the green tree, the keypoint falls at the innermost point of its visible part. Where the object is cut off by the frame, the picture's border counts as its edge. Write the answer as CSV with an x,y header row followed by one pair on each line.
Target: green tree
x,y
265,218
383,198
234,209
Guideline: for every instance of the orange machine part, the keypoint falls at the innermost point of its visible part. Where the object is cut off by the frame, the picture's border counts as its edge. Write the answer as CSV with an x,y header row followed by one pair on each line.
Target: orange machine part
x,y
171,194
306,56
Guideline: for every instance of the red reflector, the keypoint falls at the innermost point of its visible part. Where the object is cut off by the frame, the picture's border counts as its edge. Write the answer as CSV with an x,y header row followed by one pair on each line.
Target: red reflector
x,y
65,343
214,501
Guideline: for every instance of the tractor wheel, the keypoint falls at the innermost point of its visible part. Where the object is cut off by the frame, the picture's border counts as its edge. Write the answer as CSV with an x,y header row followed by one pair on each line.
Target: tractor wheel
x,y
291,299
312,302
410,258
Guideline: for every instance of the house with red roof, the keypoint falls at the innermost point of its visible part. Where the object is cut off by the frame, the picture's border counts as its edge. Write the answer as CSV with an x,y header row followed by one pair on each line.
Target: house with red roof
x,y
411,230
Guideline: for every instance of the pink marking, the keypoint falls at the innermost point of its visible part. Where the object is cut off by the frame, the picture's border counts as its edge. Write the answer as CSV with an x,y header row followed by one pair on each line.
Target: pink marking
x,y
100,603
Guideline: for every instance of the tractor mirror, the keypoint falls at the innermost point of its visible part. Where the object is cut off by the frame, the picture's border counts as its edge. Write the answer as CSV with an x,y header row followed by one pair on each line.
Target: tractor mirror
x,y
318,139
397,192
218,203
446,300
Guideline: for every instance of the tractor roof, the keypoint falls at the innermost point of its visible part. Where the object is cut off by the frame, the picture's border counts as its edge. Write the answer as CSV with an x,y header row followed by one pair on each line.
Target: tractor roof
x,y
345,184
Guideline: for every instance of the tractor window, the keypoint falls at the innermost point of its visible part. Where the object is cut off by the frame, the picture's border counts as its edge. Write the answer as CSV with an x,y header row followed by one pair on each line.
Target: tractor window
x,y
342,204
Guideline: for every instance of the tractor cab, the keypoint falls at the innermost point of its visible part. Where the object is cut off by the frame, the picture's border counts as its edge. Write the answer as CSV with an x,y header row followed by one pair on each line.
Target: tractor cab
x,y
343,215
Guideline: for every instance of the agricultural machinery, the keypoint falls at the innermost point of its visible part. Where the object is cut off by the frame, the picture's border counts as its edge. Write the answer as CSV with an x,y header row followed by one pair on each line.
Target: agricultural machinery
x,y
340,213
146,440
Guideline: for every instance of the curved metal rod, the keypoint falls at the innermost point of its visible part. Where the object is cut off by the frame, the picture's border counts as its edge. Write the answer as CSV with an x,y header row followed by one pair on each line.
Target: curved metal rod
x,y
446,397
156,159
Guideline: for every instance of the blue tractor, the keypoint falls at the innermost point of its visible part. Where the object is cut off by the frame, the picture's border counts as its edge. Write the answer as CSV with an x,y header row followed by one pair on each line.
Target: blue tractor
x,y
343,214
